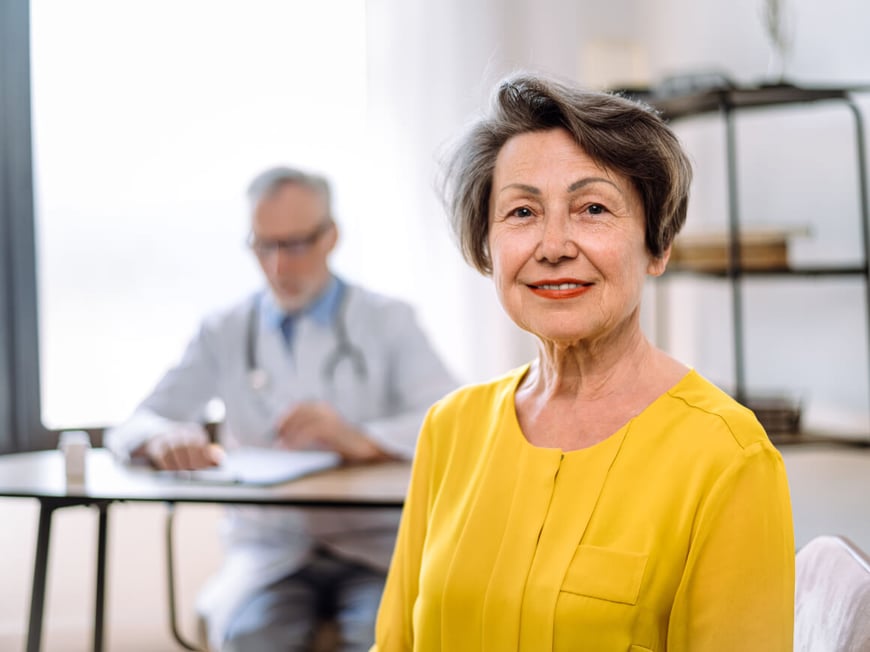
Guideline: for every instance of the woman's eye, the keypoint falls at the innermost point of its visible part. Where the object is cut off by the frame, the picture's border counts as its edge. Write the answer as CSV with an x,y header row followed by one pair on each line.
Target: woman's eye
x,y
596,209
521,212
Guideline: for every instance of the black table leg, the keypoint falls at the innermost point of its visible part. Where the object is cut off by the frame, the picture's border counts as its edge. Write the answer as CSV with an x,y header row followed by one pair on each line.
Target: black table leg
x,y
99,606
170,581
40,571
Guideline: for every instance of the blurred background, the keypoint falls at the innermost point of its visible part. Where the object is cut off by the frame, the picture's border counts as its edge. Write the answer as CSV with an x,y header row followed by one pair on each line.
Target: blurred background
x,y
150,117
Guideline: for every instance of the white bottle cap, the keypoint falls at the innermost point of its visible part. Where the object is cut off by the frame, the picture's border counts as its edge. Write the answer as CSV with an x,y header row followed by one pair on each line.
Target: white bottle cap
x,y
73,438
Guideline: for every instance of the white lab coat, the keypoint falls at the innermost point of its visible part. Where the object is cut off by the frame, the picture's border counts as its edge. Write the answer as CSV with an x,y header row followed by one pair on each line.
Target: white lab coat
x,y
404,377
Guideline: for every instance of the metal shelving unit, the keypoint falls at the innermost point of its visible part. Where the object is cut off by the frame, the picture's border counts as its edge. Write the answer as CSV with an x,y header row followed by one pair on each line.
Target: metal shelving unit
x,y
726,102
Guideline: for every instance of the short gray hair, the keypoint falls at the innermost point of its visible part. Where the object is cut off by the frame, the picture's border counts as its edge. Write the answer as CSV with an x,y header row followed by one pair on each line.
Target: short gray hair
x,y
618,133
268,181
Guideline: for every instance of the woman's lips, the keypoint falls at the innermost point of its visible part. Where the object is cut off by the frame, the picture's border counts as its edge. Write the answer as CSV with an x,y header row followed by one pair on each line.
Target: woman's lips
x,y
559,288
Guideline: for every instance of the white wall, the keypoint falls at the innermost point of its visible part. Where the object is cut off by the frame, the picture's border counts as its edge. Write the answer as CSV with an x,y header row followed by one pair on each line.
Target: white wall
x,y
829,39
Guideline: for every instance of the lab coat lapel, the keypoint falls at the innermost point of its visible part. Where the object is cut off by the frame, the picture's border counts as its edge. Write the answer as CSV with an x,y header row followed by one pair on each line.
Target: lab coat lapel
x,y
285,384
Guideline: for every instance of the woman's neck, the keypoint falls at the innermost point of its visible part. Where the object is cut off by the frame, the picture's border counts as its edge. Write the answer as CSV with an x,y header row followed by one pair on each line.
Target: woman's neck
x,y
576,396
590,370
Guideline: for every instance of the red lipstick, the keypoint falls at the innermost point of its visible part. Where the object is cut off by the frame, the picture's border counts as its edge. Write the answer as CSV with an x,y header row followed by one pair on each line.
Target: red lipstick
x,y
559,288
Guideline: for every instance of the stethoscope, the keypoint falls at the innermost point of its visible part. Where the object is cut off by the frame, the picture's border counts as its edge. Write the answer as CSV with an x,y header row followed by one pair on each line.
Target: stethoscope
x,y
258,378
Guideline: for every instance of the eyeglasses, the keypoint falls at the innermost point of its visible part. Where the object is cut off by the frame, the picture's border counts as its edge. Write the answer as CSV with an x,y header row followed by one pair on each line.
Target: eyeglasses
x,y
265,247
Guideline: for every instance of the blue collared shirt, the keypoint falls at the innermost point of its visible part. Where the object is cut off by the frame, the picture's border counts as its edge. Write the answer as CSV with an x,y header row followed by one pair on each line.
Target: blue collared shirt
x,y
323,309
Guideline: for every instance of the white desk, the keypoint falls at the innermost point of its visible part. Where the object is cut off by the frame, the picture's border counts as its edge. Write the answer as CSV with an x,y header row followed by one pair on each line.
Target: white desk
x,y
41,475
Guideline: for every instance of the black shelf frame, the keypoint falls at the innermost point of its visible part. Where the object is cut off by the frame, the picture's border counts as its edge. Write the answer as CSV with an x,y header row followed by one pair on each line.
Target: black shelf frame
x,y
727,102
827,270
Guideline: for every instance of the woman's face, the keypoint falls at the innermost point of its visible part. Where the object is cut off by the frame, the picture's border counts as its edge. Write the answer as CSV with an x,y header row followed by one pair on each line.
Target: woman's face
x,y
566,237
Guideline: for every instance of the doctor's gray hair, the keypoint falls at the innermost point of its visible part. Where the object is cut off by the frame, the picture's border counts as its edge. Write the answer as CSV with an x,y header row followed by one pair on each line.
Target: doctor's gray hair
x,y
620,134
269,181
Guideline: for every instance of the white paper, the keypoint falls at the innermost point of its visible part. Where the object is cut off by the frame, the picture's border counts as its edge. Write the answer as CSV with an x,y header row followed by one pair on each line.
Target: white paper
x,y
261,466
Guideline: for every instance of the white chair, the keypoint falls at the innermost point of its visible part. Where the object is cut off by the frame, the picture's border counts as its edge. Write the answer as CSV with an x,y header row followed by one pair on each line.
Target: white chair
x,y
832,597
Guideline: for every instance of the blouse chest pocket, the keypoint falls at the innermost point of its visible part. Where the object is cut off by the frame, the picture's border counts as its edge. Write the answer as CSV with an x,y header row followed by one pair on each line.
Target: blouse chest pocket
x,y
604,573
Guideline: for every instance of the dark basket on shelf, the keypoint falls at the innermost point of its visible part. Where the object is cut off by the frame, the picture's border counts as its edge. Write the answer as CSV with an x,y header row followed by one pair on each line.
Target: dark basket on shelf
x,y
779,415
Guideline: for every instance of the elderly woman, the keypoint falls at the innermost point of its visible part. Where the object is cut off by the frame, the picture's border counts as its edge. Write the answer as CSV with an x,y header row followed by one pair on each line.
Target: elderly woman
x,y
604,496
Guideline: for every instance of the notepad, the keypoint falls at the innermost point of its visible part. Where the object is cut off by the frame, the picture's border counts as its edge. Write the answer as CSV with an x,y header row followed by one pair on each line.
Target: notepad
x,y
261,466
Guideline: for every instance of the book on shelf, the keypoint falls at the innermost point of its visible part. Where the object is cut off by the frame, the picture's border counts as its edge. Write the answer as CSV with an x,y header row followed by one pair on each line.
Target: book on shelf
x,y
710,251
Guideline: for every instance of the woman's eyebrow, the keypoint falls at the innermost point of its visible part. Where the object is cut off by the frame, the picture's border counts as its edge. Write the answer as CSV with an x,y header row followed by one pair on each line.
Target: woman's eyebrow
x,y
521,186
577,185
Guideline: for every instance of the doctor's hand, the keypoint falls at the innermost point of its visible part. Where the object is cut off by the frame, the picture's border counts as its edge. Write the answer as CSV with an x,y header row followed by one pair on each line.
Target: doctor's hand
x,y
317,426
184,447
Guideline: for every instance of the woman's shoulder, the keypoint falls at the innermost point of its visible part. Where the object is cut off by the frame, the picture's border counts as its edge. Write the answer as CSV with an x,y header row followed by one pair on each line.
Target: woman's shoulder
x,y
707,406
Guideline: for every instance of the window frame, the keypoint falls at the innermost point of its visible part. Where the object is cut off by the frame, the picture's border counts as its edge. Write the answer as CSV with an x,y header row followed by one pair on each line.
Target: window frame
x,y
21,427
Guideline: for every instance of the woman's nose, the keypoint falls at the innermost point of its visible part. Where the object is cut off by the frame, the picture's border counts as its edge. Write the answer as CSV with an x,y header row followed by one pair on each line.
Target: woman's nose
x,y
558,239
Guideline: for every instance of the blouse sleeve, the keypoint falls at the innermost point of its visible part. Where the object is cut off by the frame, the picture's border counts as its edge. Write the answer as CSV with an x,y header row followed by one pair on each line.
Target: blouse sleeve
x,y
737,592
394,630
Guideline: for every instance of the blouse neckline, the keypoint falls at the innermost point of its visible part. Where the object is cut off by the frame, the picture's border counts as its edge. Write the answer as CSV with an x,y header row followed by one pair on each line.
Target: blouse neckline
x,y
613,439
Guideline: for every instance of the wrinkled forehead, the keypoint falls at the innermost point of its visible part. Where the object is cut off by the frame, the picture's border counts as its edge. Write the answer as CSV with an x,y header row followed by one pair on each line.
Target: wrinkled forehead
x,y
551,157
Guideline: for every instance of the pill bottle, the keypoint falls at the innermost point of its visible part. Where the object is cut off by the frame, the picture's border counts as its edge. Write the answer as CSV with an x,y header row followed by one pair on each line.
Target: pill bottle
x,y
75,445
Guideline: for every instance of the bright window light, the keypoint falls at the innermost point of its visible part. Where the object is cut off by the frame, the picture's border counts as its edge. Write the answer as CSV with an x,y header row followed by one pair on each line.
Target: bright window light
x,y
150,117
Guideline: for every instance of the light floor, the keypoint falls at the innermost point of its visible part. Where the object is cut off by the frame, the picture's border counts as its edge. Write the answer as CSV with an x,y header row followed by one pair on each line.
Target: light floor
x,y
830,495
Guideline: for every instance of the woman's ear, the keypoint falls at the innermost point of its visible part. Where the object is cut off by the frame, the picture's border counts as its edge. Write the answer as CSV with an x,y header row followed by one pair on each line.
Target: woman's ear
x,y
658,264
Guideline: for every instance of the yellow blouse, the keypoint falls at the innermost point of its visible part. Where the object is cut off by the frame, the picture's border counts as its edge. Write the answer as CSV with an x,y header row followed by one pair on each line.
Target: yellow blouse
x,y
675,533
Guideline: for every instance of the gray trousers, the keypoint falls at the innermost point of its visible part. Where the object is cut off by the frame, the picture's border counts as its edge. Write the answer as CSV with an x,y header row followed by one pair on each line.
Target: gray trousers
x,y
285,616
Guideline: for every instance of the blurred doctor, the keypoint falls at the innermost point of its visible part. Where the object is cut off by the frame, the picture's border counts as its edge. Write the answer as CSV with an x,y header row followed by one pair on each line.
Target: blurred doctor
x,y
312,362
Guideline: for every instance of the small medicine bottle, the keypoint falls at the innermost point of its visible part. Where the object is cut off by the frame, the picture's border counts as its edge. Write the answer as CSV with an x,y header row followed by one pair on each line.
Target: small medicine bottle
x,y
75,445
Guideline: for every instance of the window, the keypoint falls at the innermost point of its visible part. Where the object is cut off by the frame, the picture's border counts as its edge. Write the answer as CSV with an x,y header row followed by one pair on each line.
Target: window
x,y
149,119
